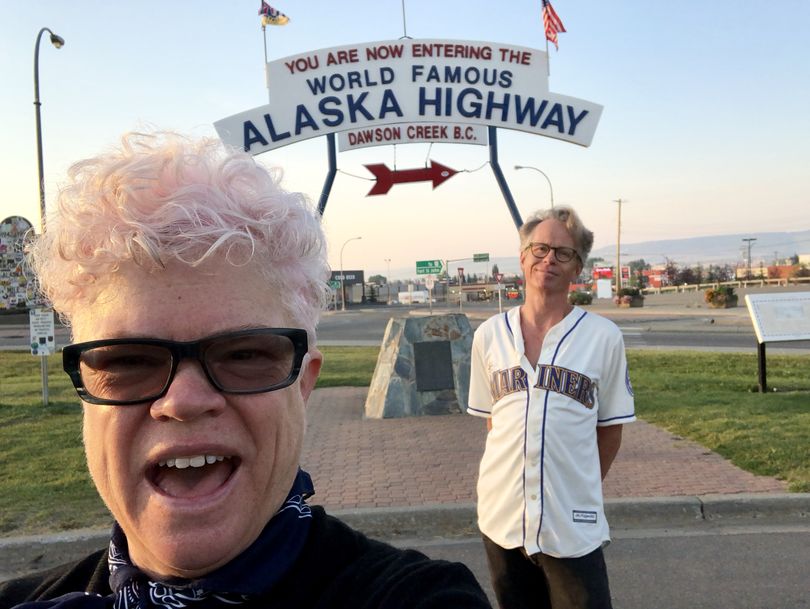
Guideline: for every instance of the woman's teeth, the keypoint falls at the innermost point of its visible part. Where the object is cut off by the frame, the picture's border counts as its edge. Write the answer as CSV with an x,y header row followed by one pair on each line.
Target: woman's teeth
x,y
195,461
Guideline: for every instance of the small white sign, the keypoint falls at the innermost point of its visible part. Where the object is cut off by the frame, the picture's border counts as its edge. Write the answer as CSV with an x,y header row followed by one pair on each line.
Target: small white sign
x,y
412,133
43,341
780,317
429,283
603,289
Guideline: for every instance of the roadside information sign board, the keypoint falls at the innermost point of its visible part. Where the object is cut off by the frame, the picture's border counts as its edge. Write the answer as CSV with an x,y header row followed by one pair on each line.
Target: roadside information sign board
x,y
777,318
780,317
42,332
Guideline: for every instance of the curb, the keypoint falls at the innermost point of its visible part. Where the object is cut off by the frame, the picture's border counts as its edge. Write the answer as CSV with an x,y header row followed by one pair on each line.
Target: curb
x,y
19,555
775,508
422,522
459,520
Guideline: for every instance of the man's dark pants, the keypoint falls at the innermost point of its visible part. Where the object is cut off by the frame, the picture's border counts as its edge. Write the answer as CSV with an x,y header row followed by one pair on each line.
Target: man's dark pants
x,y
540,581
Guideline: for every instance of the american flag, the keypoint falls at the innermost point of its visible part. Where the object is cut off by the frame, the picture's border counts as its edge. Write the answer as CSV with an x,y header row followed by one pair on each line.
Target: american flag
x,y
552,23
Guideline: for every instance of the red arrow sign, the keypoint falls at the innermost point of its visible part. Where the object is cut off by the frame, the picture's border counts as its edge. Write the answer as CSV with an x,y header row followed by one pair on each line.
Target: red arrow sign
x,y
437,173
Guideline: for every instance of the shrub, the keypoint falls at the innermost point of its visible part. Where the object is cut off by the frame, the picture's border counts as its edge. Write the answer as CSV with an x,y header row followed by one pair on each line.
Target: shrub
x,y
627,295
719,295
580,298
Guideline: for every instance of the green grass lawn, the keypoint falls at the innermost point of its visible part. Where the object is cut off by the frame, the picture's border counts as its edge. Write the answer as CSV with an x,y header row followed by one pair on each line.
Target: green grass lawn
x,y
347,366
44,483
711,398
706,397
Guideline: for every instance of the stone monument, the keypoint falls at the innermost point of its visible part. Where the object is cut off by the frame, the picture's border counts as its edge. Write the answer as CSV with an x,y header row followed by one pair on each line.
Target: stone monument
x,y
423,368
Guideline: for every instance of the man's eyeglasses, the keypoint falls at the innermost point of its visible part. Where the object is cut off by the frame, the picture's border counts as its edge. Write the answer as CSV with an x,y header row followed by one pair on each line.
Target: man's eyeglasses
x,y
125,371
562,254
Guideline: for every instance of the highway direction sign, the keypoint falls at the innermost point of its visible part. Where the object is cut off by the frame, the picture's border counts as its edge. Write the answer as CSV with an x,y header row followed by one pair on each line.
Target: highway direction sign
x,y
428,267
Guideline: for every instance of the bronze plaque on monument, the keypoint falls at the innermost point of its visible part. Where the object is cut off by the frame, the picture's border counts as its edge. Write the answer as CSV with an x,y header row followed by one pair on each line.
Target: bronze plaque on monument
x,y
434,365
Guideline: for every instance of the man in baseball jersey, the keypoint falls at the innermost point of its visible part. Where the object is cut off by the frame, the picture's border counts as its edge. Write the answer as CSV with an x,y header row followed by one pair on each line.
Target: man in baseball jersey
x,y
551,379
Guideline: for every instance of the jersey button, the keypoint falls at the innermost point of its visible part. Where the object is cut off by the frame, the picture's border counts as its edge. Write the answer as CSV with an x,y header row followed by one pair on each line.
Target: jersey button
x,y
534,497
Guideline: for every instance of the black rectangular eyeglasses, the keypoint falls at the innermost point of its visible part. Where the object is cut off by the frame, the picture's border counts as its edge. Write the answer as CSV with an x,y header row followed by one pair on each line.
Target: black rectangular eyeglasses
x,y
125,371
562,254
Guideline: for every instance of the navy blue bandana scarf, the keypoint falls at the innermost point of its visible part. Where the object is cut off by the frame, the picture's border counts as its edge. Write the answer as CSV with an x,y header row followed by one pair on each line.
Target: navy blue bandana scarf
x,y
249,576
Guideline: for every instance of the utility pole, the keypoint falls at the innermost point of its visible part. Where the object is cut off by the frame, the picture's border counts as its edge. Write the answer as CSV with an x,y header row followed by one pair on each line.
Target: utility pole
x,y
749,240
388,279
619,246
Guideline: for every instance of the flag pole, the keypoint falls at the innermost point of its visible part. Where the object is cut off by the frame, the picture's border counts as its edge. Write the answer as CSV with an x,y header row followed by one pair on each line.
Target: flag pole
x,y
404,25
545,35
266,75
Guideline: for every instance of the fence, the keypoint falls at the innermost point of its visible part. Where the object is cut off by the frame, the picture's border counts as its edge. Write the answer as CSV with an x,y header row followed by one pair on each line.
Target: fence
x,y
740,283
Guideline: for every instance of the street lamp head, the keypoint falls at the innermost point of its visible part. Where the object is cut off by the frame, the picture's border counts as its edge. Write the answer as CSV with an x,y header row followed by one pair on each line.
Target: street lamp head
x,y
57,41
542,173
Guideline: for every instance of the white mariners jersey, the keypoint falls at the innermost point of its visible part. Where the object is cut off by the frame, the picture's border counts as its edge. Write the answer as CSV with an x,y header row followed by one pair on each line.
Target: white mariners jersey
x,y
539,483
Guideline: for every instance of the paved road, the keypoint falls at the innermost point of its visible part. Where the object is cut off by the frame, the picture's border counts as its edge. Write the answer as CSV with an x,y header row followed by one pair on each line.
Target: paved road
x,y
704,566
367,327
677,321
363,328
752,567
664,330
700,340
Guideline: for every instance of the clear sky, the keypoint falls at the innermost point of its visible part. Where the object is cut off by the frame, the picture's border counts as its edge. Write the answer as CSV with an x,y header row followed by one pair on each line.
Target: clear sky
x,y
706,128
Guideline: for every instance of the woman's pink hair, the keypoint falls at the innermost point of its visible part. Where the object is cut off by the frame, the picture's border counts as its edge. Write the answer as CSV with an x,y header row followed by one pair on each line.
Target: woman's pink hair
x,y
161,198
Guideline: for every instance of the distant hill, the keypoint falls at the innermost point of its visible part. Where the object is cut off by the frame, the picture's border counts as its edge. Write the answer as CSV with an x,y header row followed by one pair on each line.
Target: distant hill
x,y
716,249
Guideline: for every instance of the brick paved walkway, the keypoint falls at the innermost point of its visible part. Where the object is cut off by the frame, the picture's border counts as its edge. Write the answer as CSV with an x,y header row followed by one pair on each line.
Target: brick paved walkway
x,y
356,462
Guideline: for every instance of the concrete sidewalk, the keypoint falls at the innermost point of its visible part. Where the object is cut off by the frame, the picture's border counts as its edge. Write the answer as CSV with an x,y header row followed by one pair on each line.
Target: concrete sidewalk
x,y
365,463
416,477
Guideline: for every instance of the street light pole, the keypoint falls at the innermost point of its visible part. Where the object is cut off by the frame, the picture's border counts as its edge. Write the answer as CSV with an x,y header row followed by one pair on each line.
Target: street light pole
x,y
618,246
342,279
550,187
388,279
58,42
749,240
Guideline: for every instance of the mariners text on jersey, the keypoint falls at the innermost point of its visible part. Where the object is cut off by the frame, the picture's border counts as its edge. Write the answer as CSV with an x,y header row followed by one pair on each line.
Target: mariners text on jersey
x,y
554,378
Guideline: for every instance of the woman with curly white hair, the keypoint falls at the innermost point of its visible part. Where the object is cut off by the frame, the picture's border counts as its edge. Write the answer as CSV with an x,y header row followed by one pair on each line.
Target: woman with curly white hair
x,y
193,283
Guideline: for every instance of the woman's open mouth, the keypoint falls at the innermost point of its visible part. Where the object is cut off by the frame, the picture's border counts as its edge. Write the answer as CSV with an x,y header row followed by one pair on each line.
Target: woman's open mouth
x,y
192,476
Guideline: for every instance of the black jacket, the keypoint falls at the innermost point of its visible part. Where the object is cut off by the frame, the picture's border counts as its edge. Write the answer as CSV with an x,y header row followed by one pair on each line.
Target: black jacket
x,y
338,568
